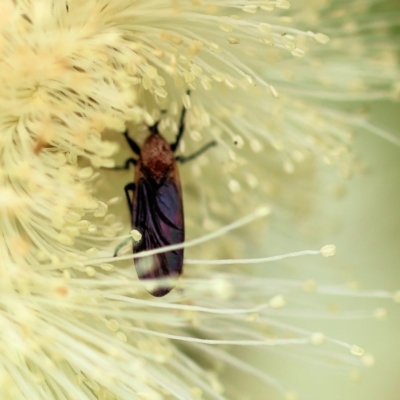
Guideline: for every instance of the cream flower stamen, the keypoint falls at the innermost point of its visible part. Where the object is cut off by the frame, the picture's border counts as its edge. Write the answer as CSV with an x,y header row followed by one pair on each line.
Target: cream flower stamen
x,y
266,79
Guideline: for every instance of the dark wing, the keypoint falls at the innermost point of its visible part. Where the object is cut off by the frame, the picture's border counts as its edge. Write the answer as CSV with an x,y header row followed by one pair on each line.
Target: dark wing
x,y
158,216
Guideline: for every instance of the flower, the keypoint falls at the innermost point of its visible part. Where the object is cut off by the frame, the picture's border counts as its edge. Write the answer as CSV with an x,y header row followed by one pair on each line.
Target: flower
x,y
76,322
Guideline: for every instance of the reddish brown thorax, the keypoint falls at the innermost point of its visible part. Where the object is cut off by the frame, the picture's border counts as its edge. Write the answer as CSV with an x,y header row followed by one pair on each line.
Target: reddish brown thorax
x,y
156,156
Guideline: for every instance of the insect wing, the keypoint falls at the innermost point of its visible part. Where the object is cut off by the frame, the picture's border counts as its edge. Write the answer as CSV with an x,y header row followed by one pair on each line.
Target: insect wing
x,y
158,215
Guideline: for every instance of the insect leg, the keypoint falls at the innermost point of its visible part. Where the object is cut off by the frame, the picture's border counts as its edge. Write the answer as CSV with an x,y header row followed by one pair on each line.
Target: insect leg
x,y
183,159
126,165
132,144
121,245
175,145
130,187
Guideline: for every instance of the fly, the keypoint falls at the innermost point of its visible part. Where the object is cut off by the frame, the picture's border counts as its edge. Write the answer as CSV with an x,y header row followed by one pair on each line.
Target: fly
x,y
155,204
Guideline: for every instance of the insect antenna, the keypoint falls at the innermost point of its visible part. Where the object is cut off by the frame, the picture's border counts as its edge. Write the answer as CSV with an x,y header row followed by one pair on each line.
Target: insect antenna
x,y
175,145
154,128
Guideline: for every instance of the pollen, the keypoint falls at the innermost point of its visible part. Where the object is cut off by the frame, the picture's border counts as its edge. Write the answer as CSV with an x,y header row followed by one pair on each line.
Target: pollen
x,y
368,360
356,350
328,250
318,338
291,396
62,291
310,286
277,302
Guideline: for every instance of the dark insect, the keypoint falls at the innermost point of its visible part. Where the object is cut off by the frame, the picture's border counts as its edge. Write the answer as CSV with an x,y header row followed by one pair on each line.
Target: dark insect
x,y
156,205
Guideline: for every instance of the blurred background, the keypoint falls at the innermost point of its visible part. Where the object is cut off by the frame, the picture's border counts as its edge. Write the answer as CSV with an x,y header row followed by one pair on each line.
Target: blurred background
x,y
368,243
364,223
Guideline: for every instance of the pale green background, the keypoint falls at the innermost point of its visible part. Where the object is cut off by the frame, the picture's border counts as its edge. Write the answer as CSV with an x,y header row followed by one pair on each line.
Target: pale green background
x,y
365,227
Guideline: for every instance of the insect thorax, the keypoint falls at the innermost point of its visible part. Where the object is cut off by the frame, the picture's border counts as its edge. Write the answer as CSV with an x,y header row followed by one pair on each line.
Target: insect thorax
x,y
157,157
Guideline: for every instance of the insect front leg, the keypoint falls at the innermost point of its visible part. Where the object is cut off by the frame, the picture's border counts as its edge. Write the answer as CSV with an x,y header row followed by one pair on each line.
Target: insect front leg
x,y
134,146
175,145
183,159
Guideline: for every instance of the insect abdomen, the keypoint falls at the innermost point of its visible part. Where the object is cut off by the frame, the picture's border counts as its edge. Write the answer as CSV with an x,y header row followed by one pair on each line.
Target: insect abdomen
x,y
158,215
